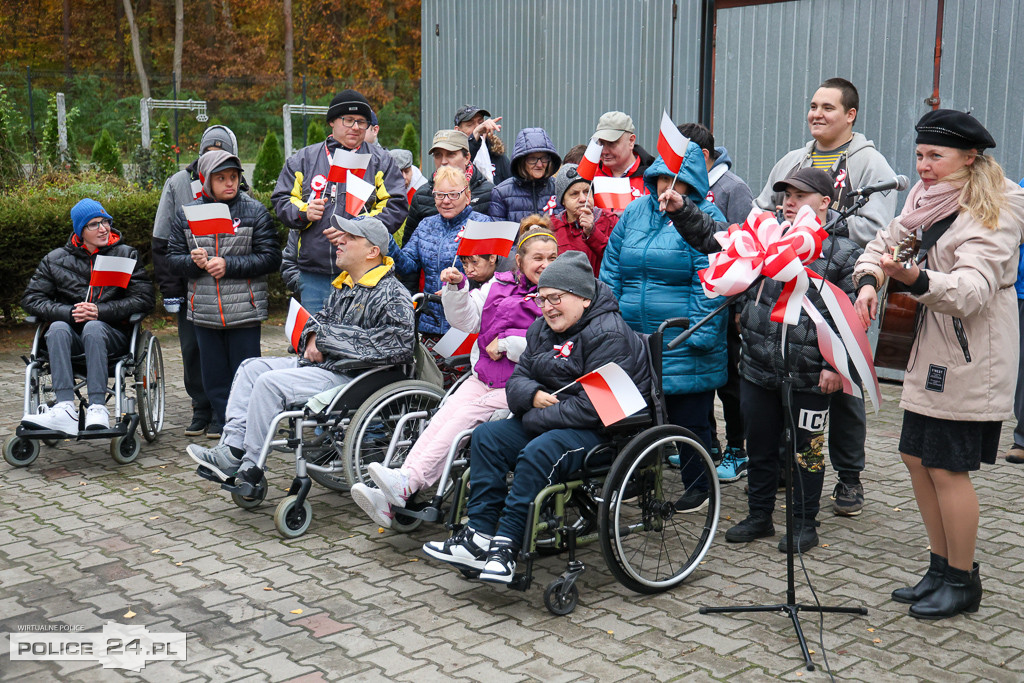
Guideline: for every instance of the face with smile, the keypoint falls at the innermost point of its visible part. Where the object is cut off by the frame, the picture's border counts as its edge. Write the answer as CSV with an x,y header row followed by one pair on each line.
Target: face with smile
x,y
830,123
446,206
539,254
562,315
96,234
935,163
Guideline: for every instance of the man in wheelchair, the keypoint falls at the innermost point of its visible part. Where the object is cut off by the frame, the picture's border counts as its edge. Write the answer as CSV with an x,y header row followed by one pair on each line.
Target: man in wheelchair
x,y
366,321
83,318
549,435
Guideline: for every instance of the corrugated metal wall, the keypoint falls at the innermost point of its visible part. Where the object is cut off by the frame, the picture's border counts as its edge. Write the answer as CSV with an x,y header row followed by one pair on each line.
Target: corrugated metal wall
x,y
558,64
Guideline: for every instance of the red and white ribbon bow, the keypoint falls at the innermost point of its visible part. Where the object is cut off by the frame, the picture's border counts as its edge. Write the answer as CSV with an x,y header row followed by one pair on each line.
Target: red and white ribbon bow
x,y
565,349
840,179
761,246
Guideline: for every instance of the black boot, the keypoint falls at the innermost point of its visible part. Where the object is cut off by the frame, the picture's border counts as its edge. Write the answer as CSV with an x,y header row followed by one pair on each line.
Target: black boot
x,y
960,592
926,586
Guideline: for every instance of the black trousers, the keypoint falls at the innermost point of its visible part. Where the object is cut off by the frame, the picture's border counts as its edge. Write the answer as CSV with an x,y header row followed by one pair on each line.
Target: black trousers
x,y
221,351
190,363
766,420
729,393
847,430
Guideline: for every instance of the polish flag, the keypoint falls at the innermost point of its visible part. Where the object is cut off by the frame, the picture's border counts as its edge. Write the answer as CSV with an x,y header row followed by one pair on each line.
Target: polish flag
x,y
197,188
455,342
418,181
591,158
344,161
671,144
482,160
613,393
209,219
357,191
297,318
482,238
614,194
111,271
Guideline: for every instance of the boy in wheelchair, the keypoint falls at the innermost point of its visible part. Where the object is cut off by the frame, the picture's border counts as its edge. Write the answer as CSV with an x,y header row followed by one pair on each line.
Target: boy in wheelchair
x,y
549,435
93,320
366,321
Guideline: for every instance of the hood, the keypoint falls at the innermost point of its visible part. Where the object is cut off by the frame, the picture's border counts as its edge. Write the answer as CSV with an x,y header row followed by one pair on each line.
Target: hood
x,y
694,173
530,141
603,302
723,159
857,143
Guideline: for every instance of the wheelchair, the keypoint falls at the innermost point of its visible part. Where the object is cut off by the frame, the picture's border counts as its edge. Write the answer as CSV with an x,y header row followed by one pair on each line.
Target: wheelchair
x,y
625,498
319,438
138,393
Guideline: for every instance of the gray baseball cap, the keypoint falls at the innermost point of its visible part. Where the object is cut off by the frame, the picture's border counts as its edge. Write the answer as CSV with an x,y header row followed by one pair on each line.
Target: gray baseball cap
x,y
370,228
612,125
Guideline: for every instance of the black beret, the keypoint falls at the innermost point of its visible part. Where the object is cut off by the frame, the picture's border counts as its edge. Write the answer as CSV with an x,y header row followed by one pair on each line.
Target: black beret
x,y
951,128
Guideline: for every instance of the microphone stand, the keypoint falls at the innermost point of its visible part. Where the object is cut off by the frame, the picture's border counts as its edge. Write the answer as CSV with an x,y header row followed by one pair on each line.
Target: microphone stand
x,y
791,607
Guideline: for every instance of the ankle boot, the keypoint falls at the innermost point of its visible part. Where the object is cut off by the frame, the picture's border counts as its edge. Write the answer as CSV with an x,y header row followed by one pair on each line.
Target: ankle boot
x,y
927,585
960,592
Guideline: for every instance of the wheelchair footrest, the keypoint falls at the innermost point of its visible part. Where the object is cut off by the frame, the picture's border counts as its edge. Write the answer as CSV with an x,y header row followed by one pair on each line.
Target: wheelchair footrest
x,y
425,511
119,429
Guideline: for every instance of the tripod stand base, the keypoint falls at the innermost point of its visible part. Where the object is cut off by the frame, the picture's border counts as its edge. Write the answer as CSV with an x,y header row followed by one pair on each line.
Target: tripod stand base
x,y
792,610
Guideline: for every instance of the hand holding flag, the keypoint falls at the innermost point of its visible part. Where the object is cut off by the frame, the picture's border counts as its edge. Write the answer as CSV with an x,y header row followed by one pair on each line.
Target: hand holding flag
x,y
613,393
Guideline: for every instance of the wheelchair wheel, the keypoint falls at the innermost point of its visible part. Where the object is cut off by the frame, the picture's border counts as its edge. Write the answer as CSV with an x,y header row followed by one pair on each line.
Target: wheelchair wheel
x,y
373,426
648,543
556,602
329,452
149,385
291,520
50,442
20,452
403,524
124,449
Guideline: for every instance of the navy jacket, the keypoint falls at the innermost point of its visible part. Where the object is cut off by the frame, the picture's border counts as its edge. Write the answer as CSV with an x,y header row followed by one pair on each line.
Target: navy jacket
x,y
514,199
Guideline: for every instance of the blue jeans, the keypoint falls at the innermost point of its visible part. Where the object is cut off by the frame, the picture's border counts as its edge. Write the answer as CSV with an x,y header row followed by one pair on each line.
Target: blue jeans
x,y
690,411
315,289
504,446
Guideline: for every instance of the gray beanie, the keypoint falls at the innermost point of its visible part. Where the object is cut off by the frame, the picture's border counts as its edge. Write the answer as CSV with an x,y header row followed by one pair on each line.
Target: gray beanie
x,y
570,272
220,137
402,157
566,177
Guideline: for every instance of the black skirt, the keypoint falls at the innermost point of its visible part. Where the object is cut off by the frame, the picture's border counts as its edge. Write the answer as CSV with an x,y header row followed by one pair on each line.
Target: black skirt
x,y
954,445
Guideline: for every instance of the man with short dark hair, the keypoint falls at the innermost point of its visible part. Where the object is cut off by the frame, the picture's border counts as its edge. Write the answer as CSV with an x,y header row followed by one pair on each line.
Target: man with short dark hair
x,y
479,127
305,201
621,157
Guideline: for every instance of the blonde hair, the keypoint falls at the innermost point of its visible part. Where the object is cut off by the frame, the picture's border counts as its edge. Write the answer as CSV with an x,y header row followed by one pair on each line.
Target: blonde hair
x,y
984,188
452,175
534,226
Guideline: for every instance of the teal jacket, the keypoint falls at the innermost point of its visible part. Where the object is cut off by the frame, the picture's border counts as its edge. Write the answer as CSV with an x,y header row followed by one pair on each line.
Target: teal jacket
x,y
653,274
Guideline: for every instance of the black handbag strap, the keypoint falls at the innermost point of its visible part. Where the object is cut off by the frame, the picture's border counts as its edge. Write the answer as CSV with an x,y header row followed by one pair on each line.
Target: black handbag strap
x,y
930,236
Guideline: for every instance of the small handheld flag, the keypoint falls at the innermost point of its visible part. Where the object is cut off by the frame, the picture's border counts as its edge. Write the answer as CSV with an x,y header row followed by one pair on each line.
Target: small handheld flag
x,y
482,161
671,144
209,219
297,318
112,271
418,181
455,342
613,393
357,191
482,238
614,194
344,162
591,158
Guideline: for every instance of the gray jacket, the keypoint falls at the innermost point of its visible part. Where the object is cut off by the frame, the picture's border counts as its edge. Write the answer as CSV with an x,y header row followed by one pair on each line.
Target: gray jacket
x,y
728,191
865,165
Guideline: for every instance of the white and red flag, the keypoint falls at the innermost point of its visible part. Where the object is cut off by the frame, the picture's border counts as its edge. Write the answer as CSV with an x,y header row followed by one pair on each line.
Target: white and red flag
x,y
482,238
614,194
297,318
591,158
197,188
455,342
613,393
111,271
482,161
345,162
418,181
210,219
671,144
357,192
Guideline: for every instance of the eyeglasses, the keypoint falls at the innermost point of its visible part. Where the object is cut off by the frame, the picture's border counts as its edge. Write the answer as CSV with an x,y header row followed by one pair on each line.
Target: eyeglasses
x,y
538,160
553,299
353,122
441,196
103,222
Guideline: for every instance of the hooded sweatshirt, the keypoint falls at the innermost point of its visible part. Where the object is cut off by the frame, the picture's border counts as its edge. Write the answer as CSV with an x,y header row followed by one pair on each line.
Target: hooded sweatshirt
x,y
514,199
728,191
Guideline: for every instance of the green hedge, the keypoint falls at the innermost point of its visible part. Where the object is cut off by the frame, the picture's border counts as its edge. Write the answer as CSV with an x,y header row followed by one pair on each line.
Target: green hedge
x,y
35,219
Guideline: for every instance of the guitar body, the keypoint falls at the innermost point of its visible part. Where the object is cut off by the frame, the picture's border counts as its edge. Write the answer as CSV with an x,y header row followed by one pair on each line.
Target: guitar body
x,y
896,328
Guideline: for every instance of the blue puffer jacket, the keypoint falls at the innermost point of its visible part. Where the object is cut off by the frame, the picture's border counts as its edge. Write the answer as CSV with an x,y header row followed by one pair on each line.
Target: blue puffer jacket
x,y
514,198
653,273
432,249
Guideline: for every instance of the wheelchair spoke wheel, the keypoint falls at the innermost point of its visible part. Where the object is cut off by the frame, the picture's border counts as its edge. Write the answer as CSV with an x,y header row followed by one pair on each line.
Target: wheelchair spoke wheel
x,y
124,449
149,385
378,423
292,520
328,453
658,522
20,452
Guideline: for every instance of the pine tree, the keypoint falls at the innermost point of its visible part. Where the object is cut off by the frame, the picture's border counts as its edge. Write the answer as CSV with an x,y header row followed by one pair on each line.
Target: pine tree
x,y
315,132
269,162
105,155
411,142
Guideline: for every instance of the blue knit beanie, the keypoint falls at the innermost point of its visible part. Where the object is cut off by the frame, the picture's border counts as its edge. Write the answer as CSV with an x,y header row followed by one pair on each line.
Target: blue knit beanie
x,y
84,211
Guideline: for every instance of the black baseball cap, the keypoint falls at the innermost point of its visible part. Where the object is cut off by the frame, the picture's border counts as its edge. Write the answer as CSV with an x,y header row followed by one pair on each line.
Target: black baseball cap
x,y
468,111
808,180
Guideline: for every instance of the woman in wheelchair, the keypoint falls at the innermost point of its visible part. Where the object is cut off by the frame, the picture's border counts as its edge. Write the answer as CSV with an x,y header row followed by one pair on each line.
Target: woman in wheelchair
x,y
549,435
84,319
500,312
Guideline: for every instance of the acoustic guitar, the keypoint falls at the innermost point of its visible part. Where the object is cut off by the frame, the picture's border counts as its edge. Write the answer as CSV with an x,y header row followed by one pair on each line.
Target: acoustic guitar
x,y
897,323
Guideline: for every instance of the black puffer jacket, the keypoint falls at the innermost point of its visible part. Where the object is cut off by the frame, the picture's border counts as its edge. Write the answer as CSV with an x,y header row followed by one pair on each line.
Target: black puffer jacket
x,y
423,206
601,336
62,279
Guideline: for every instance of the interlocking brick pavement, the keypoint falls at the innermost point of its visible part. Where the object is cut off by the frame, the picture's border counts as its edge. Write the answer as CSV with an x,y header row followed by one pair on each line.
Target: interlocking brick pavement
x,y
84,540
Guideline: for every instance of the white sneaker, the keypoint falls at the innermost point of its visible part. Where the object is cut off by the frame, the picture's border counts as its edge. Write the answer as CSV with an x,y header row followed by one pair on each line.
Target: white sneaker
x,y
391,482
97,417
373,503
60,418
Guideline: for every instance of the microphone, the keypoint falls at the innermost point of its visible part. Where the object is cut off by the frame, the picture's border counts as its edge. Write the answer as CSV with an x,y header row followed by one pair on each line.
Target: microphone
x,y
899,183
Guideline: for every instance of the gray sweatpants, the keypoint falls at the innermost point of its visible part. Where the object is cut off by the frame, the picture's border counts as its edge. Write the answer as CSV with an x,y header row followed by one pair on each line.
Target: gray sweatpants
x,y
98,341
262,388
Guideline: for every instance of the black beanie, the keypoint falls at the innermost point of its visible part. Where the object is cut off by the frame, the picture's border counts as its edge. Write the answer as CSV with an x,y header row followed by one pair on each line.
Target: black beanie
x,y
570,272
349,102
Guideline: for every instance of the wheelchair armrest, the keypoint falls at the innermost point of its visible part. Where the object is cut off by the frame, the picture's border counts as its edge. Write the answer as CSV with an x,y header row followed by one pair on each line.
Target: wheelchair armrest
x,y
456,361
31,319
136,318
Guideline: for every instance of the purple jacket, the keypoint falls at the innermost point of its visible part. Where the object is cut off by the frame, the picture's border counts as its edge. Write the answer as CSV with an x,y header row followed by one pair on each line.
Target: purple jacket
x,y
506,313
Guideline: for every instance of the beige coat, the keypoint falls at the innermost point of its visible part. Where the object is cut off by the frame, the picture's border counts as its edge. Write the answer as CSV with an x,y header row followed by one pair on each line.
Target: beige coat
x,y
971,272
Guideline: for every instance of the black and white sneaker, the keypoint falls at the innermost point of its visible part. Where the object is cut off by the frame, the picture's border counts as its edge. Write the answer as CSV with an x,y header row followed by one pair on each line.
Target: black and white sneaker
x,y
465,549
500,566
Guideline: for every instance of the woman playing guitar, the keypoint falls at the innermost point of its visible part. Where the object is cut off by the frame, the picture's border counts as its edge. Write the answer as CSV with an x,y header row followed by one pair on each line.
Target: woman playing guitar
x,y
960,377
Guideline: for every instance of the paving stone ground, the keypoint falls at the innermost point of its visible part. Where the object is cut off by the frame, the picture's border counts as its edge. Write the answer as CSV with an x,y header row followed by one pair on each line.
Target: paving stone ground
x,y
83,541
